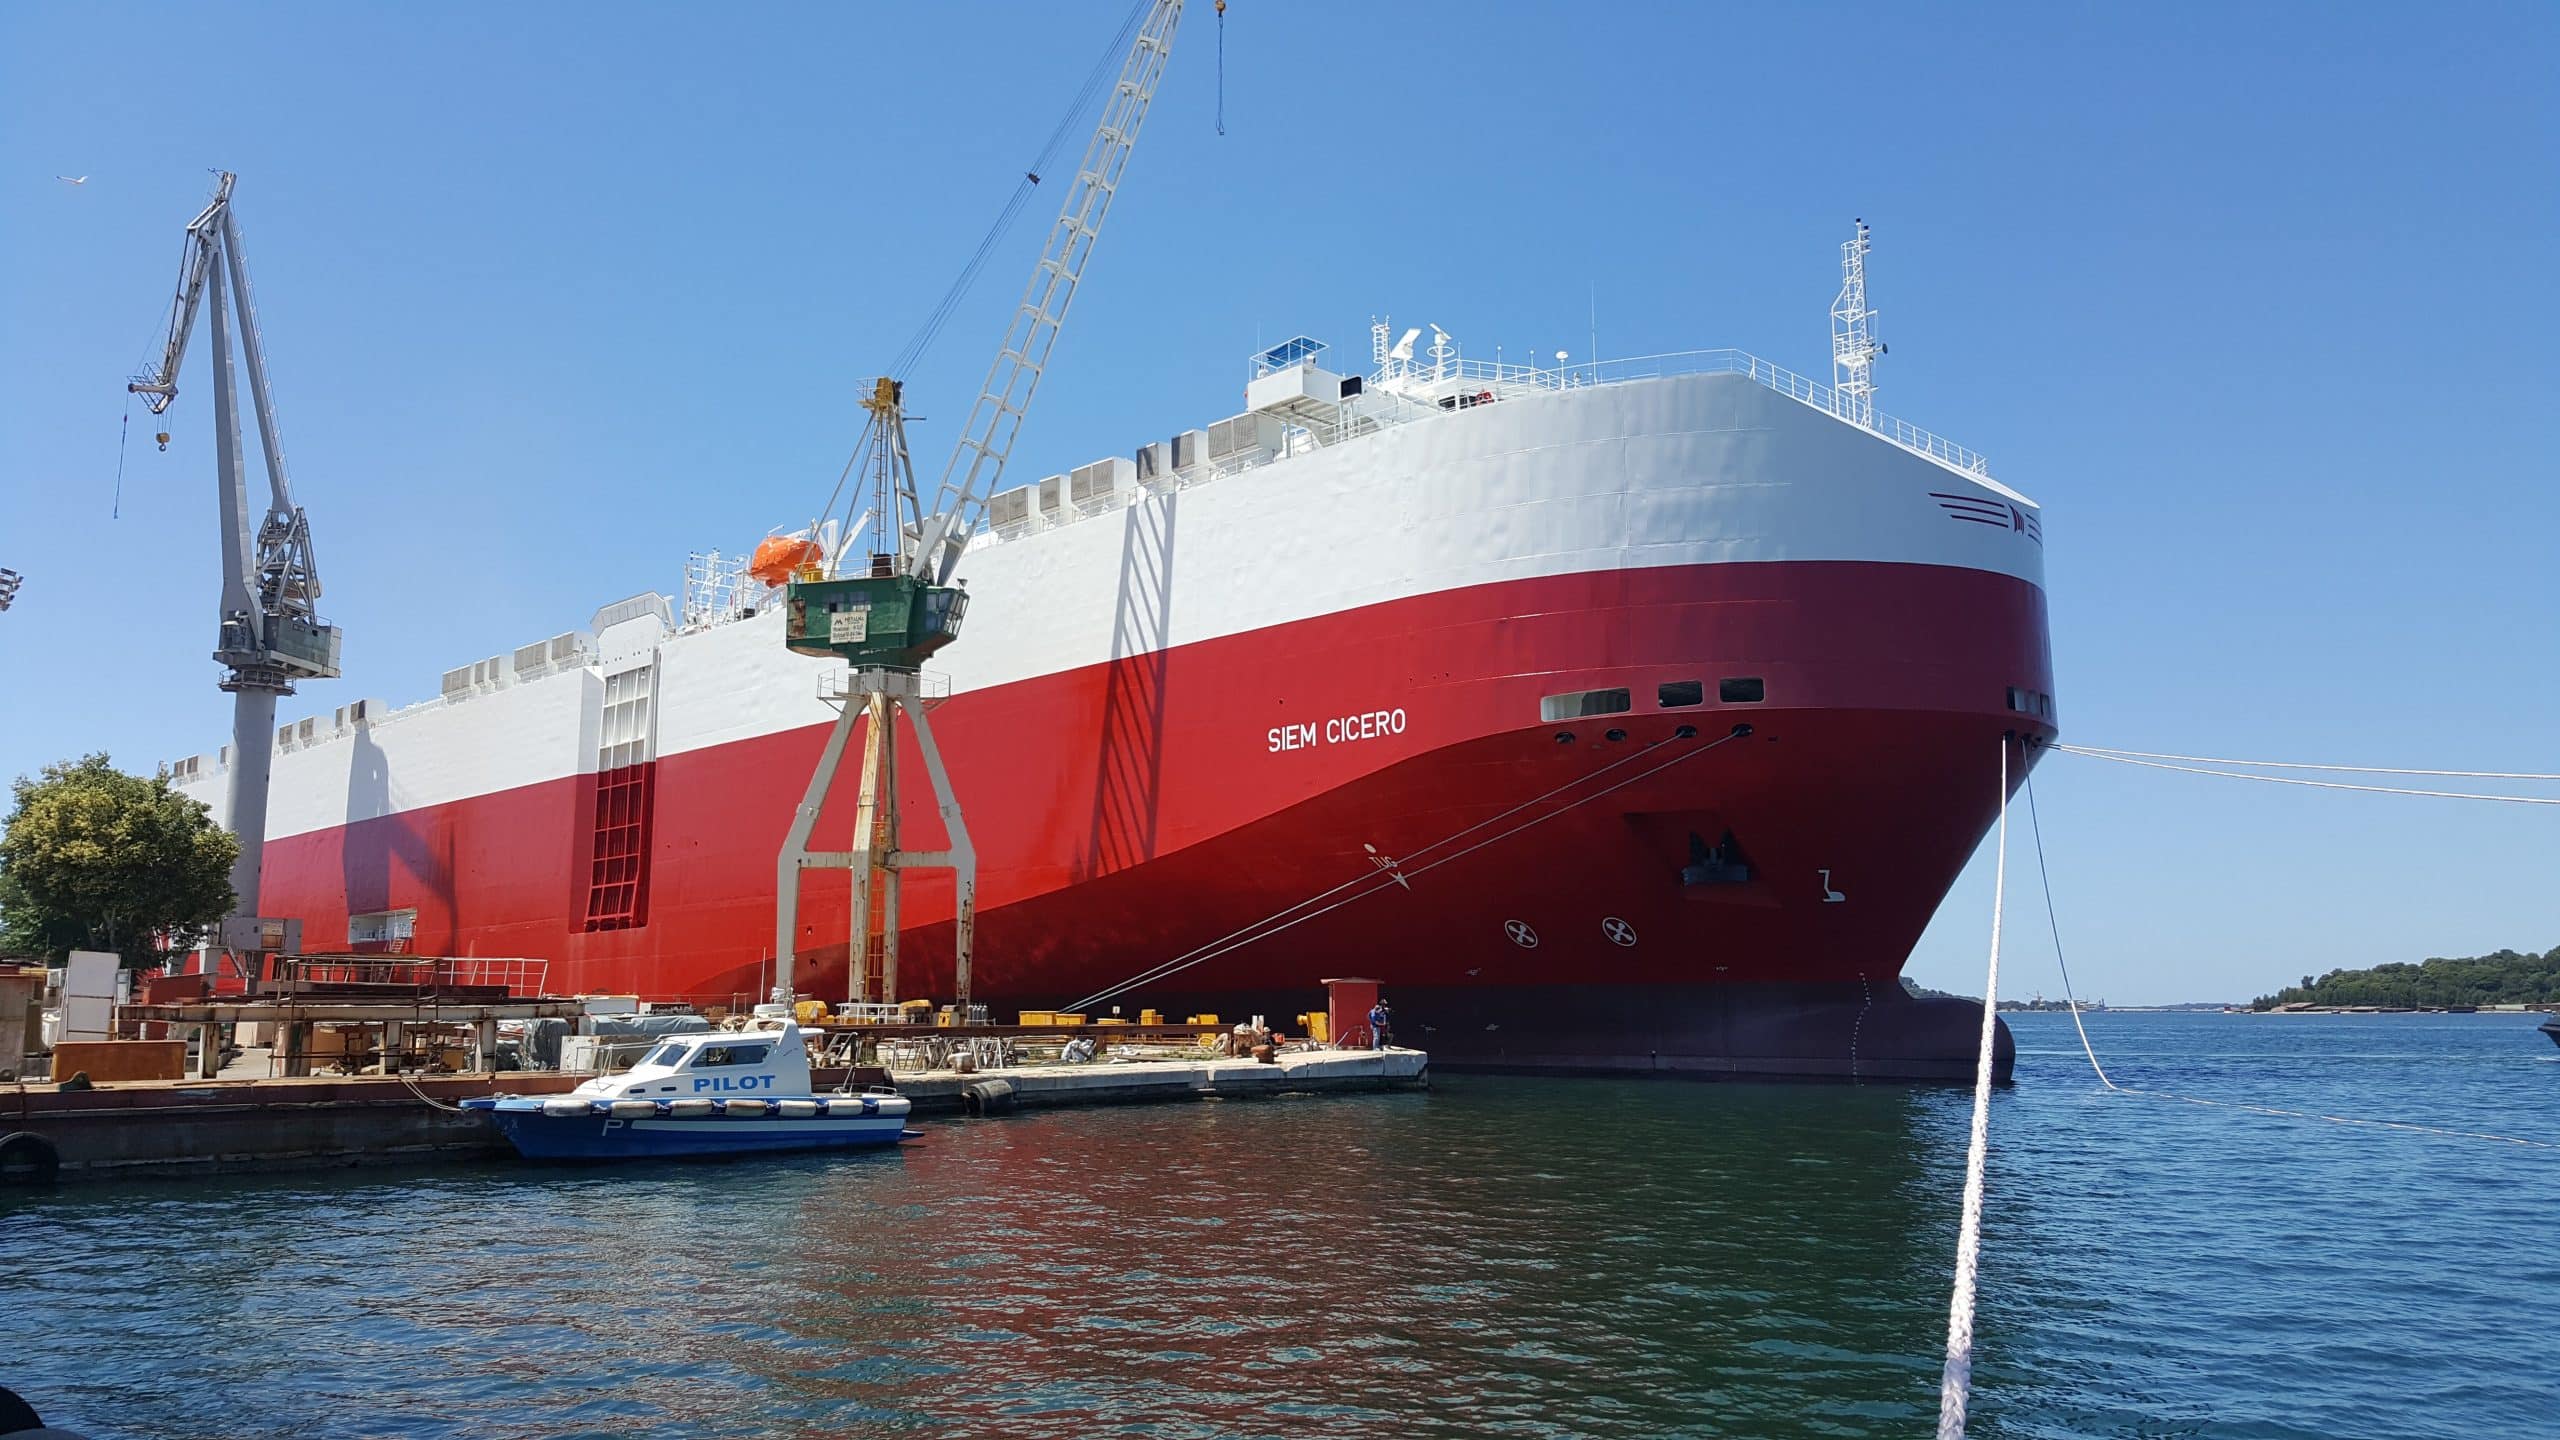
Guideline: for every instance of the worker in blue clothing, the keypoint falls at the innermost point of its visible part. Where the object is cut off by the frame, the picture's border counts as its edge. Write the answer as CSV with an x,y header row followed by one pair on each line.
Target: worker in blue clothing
x,y
1381,1025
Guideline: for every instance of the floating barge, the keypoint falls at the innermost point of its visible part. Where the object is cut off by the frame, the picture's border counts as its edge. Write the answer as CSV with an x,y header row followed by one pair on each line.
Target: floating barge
x,y
163,1128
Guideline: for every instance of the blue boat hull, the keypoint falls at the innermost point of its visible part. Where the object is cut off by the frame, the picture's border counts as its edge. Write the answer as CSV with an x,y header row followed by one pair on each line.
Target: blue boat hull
x,y
599,1136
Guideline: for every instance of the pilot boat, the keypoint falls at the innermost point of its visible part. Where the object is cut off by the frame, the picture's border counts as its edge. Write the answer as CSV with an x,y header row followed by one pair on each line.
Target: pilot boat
x,y
720,1092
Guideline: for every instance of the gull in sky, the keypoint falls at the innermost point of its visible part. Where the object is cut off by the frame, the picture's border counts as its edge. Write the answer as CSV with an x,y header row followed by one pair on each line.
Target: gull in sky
x,y
72,179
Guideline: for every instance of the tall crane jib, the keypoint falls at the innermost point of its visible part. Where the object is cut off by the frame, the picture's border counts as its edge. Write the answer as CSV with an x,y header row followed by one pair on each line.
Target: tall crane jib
x,y
270,632
900,604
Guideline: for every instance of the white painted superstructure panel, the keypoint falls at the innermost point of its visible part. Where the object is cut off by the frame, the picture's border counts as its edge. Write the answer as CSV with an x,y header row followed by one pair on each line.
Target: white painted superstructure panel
x,y
1683,470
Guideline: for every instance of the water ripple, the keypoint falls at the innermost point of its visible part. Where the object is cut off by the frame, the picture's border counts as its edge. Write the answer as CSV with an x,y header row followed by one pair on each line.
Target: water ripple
x,y
1498,1258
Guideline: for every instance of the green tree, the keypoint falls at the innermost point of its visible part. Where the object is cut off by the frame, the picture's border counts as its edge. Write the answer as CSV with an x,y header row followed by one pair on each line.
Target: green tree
x,y
96,859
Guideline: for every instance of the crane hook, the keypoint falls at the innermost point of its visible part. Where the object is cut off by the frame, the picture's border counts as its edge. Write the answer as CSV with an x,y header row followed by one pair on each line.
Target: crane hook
x,y
163,438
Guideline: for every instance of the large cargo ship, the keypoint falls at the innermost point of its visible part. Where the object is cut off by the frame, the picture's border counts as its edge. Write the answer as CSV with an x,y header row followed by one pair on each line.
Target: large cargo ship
x,y
1634,716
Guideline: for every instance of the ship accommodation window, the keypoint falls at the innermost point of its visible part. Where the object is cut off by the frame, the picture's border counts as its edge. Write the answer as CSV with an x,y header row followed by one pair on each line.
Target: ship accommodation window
x,y
1577,703
1744,690
382,932
1679,694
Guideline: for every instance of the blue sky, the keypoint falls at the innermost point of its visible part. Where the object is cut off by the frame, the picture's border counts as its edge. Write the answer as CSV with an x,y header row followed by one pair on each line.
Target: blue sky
x,y
2257,300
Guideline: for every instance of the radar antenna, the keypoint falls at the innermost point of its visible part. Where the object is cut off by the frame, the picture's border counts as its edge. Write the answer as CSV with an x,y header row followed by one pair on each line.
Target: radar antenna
x,y
1854,346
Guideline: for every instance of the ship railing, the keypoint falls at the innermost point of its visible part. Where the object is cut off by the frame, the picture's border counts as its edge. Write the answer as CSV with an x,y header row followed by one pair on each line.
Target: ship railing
x,y
1405,391
1414,374
425,974
835,685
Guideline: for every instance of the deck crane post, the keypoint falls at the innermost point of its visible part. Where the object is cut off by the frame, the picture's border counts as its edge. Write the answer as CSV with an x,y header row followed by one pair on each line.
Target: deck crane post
x,y
271,634
884,618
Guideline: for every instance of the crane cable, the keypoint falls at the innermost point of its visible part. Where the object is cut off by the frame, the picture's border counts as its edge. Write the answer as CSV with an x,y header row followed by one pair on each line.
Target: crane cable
x,y
123,432
913,352
1222,67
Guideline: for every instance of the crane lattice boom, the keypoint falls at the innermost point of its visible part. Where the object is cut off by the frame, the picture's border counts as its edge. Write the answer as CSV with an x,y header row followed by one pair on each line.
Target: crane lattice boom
x,y
977,462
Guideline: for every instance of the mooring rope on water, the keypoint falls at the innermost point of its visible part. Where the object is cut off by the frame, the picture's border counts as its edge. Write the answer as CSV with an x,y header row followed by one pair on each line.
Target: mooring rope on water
x,y
1955,1382
2073,1000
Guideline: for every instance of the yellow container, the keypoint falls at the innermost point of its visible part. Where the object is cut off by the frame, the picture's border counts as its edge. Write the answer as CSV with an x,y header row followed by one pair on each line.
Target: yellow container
x,y
810,1012
1110,1020
1063,1018
1035,1017
1201,1020
1150,1017
1319,1026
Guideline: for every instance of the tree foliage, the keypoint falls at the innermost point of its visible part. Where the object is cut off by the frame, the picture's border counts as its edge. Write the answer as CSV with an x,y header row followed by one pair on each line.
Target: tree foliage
x,y
2508,977
96,859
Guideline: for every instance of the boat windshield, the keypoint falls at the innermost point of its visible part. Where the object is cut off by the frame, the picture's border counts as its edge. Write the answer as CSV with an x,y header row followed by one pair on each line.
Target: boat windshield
x,y
670,1055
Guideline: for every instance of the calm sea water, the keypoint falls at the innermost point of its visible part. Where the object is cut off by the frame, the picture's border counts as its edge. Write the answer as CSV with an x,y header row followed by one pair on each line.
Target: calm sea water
x,y
1498,1257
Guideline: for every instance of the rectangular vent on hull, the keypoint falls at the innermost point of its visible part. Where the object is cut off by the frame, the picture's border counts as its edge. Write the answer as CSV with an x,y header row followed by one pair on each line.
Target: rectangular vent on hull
x,y
1679,694
1747,690
625,805
1009,511
618,876
2031,702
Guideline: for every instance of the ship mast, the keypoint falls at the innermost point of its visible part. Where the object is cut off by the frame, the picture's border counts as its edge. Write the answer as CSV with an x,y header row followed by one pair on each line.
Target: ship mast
x,y
884,621
1854,347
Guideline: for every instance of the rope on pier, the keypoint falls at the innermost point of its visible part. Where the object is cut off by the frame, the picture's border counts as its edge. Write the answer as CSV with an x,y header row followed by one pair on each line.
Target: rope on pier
x,y
416,1089
2037,825
1955,1383
2127,758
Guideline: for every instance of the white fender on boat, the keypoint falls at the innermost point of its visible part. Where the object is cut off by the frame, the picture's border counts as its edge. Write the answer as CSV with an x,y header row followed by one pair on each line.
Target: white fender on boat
x,y
565,1105
634,1109
843,1105
689,1107
796,1109
743,1107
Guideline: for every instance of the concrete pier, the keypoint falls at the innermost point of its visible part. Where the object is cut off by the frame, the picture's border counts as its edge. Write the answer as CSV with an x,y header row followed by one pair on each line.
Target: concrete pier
x,y
156,1129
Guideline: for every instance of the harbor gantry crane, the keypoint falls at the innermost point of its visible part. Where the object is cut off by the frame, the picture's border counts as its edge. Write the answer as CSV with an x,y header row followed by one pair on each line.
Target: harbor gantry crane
x,y
271,634
887,616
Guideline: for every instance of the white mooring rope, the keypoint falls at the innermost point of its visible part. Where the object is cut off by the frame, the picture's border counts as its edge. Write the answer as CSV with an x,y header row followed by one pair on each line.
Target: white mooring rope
x,y
1955,1384
2036,821
2126,758
1404,871
2299,765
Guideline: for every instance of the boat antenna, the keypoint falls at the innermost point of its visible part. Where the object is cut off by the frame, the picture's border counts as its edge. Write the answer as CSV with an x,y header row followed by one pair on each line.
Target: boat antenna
x,y
1854,347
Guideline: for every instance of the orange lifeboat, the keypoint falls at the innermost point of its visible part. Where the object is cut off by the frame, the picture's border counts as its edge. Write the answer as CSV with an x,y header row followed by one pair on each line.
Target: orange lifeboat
x,y
780,557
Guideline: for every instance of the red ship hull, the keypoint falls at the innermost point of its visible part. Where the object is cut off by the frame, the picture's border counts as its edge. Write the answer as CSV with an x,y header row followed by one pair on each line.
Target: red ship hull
x,y
1516,882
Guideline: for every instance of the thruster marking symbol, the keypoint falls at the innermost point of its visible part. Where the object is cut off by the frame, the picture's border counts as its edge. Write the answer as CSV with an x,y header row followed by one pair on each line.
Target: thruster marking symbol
x,y
1520,933
1618,931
